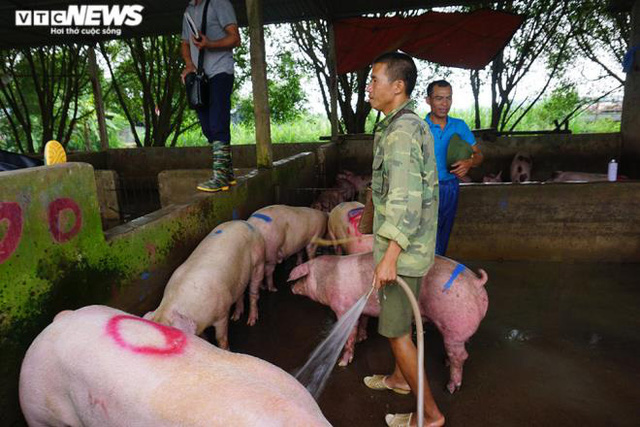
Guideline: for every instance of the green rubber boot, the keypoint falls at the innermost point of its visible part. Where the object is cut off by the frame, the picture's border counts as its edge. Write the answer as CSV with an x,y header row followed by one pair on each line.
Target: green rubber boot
x,y
228,165
219,179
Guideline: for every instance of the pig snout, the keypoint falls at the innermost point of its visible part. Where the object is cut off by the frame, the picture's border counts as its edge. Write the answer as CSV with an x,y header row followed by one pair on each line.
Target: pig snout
x,y
297,288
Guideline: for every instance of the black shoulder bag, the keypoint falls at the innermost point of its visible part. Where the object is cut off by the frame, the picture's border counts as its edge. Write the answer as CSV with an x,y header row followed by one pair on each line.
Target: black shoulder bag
x,y
197,83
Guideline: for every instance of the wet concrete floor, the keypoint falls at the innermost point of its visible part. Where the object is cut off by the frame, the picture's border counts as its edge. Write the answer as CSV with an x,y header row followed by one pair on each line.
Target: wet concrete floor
x,y
560,346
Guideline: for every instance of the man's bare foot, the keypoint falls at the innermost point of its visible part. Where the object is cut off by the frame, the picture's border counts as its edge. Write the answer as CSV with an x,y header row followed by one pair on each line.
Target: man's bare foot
x,y
393,382
404,420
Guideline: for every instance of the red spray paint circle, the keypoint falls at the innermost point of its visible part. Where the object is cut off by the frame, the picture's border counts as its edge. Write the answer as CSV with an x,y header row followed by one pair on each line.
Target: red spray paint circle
x,y
55,209
175,339
12,213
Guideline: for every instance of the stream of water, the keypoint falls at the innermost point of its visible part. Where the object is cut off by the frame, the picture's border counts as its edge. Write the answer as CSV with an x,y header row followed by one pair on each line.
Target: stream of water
x,y
315,373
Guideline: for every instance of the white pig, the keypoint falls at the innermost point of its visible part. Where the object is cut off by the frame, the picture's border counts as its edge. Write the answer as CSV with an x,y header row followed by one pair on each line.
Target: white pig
x,y
286,231
101,367
201,291
521,167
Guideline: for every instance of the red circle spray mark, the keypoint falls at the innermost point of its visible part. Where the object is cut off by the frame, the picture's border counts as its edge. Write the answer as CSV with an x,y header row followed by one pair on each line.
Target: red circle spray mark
x,y
10,212
55,209
175,340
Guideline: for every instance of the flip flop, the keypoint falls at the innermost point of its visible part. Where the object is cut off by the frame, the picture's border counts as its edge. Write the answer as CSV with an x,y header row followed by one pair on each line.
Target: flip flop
x,y
54,153
398,420
376,382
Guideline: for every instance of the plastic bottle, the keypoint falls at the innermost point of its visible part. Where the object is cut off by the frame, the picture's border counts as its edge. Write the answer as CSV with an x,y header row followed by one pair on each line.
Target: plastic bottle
x,y
612,171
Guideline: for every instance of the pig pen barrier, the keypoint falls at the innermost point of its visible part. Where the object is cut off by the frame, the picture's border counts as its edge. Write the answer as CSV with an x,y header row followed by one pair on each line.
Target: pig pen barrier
x,y
55,254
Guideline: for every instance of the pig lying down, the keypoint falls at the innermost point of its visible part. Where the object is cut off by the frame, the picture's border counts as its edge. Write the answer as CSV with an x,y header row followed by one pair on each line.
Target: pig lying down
x,y
201,291
451,296
560,176
101,367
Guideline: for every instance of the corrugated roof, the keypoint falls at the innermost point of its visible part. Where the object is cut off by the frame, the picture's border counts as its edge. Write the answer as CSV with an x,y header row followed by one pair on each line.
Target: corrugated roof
x,y
165,16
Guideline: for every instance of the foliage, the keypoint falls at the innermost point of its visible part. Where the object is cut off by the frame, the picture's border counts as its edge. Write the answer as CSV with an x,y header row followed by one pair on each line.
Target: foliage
x,y
145,76
313,38
40,92
286,95
306,128
600,33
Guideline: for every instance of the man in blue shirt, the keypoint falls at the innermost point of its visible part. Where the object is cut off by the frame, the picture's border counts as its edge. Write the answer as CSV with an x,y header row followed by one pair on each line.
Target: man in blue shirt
x,y
443,128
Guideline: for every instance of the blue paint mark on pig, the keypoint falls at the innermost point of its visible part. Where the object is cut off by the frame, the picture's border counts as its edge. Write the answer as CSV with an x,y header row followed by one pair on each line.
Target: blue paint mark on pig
x,y
265,218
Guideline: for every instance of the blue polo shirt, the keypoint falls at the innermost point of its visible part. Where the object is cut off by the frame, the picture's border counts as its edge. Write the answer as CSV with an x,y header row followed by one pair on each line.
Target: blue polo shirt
x,y
442,137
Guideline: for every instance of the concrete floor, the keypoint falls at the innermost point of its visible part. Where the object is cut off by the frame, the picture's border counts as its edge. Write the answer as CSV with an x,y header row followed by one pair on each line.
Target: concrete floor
x,y
559,346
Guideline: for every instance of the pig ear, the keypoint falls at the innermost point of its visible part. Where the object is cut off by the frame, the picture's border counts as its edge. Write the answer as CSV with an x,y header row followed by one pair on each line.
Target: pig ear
x,y
62,314
298,272
184,323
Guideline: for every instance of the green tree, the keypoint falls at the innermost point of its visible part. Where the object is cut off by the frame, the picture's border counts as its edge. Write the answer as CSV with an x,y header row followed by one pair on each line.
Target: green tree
x,y
286,97
40,95
145,76
312,38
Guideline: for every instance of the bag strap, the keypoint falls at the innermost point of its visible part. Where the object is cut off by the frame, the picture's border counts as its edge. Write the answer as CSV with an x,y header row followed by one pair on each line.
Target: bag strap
x,y
203,30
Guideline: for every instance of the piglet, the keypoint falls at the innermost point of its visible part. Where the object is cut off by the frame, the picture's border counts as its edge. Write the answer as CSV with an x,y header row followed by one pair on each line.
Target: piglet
x,y
451,296
202,290
286,231
343,225
521,167
101,367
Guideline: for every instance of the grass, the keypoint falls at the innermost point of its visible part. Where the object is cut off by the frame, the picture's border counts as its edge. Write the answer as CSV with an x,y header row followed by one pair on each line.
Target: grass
x,y
305,129
309,128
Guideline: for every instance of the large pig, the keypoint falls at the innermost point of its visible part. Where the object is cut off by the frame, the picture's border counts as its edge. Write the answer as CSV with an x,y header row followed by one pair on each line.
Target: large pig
x,y
201,291
343,225
521,167
98,366
451,296
286,231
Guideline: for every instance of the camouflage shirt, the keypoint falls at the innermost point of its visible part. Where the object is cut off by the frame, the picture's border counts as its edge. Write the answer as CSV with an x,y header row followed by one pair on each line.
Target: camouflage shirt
x,y
405,191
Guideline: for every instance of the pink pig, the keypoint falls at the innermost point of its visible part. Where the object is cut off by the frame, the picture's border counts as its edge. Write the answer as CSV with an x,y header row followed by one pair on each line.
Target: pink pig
x,y
343,224
214,277
286,231
451,296
98,366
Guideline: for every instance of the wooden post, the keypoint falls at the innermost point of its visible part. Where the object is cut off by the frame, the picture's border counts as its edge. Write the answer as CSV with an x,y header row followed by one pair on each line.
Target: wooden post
x,y
333,81
97,98
630,125
259,82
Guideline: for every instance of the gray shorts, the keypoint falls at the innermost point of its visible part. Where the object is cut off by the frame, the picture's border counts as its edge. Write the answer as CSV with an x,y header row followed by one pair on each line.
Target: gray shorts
x,y
396,315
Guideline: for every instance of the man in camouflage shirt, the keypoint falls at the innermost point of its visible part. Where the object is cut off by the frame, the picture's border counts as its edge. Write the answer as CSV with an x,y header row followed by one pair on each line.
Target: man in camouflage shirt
x,y
405,198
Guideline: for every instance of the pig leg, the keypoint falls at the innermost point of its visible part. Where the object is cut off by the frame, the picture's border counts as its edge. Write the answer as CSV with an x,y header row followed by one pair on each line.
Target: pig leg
x,y
362,328
299,259
349,348
268,275
311,249
222,328
254,286
457,355
237,313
